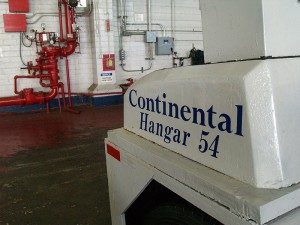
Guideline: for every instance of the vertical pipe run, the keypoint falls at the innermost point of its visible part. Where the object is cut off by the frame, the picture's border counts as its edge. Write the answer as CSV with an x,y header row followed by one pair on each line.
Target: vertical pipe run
x,y
72,21
61,31
68,82
120,18
172,17
47,107
149,15
68,20
58,100
47,62
150,46
61,85
125,14
118,8
123,30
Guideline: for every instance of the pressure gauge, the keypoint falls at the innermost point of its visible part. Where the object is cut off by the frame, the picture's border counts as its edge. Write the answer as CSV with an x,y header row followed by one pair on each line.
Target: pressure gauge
x,y
43,25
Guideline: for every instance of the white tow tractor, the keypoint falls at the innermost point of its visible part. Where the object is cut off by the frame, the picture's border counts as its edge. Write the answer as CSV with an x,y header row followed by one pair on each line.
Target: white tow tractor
x,y
217,143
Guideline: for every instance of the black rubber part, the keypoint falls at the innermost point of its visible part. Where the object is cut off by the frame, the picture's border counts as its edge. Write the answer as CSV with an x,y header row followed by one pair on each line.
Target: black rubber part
x,y
178,214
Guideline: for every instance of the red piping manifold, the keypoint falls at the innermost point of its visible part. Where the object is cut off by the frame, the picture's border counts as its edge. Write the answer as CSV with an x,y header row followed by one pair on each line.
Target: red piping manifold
x,y
47,67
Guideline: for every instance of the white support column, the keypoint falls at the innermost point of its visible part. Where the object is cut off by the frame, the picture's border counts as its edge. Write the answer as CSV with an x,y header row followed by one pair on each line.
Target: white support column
x,y
104,70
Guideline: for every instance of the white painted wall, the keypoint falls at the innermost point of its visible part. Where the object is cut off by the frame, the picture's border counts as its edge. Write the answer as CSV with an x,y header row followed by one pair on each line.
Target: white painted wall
x,y
10,63
85,67
187,32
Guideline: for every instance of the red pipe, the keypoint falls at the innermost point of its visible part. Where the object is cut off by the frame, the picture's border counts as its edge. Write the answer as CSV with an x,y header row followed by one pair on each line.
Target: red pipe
x,y
72,21
68,21
61,30
61,85
68,82
61,51
47,107
69,49
28,97
51,50
48,62
26,77
58,100
15,100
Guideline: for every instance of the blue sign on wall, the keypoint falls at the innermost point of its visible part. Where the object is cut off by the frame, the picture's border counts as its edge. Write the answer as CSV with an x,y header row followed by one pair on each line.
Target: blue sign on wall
x,y
106,74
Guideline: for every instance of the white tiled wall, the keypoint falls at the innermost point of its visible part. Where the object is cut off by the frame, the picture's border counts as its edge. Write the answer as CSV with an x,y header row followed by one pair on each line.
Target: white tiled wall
x,y
10,63
187,33
103,39
95,41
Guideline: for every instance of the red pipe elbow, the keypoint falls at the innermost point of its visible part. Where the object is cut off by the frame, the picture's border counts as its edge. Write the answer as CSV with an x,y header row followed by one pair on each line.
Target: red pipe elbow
x,y
69,49
47,62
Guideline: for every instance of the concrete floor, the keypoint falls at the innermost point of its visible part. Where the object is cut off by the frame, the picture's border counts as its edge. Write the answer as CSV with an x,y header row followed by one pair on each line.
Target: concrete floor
x,y
52,167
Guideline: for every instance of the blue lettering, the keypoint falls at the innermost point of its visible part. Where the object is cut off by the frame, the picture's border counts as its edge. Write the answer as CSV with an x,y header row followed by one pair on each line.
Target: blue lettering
x,y
141,102
164,105
130,97
168,131
196,115
210,117
185,110
144,121
157,103
226,124
239,120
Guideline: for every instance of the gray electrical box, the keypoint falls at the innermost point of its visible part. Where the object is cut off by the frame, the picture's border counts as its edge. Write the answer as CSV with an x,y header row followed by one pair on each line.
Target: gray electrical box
x,y
150,37
164,45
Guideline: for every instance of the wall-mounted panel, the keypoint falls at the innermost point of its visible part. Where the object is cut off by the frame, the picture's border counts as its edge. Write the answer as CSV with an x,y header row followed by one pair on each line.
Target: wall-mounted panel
x,y
14,22
18,5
